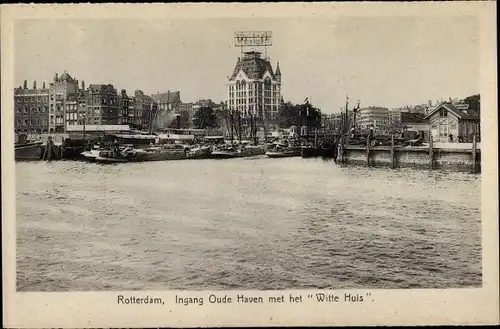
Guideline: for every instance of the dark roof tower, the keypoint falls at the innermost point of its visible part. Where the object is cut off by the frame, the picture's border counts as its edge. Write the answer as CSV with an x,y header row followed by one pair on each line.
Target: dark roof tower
x,y
253,65
278,71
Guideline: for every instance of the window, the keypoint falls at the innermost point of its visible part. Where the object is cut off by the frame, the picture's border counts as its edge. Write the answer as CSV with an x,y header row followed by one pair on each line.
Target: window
x,y
443,113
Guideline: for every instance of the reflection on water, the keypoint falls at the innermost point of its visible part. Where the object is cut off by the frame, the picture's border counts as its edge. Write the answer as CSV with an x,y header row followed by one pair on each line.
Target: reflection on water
x,y
252,223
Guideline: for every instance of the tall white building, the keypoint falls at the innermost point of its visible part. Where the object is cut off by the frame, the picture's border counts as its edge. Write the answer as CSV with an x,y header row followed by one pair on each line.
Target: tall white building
x,y
254,88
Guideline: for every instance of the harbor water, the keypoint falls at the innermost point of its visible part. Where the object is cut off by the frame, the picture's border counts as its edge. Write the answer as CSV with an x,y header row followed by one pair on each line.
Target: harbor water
x,y
248,223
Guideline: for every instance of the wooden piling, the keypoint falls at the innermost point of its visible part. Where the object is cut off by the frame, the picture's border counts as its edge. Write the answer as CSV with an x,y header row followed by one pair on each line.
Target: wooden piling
x,y
474,154
393,158
48,150
431,153
368,151
341,149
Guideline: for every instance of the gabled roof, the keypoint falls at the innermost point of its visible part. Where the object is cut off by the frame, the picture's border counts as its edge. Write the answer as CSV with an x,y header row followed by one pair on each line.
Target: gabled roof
x,y
462,111
253,65
168,97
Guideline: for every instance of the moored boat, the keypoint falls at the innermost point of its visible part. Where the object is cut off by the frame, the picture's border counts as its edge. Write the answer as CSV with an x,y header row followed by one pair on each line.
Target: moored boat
x,y
226,152
283,149
198,152
283,153
92,154
28,151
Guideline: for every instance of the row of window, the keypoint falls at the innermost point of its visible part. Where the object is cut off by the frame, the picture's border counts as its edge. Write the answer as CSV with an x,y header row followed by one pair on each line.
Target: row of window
x,y
31,122
31,109
253,86
31,99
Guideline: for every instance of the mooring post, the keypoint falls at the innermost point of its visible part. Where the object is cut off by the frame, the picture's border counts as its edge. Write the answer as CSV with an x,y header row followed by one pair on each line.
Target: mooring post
x,y
368,151
61,148
341,149
48,149
474,154
393,162
431,152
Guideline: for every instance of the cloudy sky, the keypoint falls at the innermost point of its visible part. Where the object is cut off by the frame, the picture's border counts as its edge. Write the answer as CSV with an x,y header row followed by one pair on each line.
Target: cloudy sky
x,y
377,60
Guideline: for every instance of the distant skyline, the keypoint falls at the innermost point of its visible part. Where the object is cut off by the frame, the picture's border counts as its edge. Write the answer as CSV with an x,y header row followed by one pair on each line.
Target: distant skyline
x,y
380,61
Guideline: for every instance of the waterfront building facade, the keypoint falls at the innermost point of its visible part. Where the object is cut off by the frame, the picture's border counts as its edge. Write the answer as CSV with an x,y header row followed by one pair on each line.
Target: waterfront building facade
x,y
61,89
125,113
31,109
102,105
453,122
76,109
254,88
146,110
373,116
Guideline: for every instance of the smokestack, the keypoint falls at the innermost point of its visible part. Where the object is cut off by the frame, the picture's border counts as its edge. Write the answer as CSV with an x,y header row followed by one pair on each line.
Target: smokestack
x,y
83,85
25,85
178,121
34,84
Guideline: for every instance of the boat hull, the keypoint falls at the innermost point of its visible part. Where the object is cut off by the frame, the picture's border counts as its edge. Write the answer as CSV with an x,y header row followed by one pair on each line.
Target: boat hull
x,y
28,152
309,152
225,155
275,154
100,159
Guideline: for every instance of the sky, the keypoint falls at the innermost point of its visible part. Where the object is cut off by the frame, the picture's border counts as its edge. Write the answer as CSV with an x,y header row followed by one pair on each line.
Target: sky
x,y
380,61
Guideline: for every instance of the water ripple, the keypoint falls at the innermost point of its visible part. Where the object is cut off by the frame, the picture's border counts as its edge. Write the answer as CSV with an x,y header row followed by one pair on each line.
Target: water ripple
x,y
245,224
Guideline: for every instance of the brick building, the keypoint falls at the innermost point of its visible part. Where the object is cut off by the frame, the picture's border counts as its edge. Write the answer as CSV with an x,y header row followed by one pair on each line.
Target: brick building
x,y
146,111
61,89
31,109
102,105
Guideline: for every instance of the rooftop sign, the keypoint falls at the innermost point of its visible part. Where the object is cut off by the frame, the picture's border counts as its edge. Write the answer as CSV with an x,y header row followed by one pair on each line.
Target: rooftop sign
x,y
253,38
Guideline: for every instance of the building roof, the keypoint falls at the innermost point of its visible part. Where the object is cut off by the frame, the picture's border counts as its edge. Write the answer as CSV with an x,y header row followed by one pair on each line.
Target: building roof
x,y
101,87
253,65
168,97
66,77
278,71
462,111
413,117
141,97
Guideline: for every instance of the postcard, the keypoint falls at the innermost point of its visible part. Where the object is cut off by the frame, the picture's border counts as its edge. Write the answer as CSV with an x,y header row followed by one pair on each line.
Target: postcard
x,y
264,164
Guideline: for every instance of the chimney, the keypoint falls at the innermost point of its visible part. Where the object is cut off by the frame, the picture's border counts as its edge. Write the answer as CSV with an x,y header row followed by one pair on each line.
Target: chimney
x,y
56,77
43,85
178,121
34,84
83,85
25,85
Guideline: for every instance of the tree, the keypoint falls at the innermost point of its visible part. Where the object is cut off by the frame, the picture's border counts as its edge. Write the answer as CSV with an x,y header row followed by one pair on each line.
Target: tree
x,y
474,102
299,115
204,118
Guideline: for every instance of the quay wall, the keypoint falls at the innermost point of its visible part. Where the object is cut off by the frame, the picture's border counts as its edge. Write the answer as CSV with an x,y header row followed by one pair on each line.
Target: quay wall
x,y
413,157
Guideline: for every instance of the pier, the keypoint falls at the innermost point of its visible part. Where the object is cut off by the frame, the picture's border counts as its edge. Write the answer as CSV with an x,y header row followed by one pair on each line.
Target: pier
x,y
447,156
